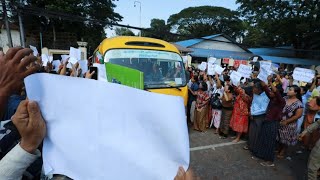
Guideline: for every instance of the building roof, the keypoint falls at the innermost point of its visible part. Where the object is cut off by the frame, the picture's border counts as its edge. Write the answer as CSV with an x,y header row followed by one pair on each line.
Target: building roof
x,y
289,60
191,42
205,53
279,51
182,49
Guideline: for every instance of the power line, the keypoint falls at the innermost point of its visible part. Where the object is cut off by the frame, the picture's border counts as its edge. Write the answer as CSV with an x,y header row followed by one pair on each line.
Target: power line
x,y
75,18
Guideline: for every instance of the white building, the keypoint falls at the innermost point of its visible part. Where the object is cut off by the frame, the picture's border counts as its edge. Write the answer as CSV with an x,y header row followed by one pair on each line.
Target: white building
x,y
15,35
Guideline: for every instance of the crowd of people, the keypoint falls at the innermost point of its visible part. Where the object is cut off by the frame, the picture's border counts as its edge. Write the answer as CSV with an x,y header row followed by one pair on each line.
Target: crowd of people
x,y
272,114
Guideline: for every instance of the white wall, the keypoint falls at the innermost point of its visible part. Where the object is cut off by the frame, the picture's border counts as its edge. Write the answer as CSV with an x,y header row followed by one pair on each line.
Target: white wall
x,y
207,44
15,35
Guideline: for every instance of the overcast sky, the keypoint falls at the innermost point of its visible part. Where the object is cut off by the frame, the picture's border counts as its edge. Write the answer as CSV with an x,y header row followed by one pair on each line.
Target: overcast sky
x,y
161,9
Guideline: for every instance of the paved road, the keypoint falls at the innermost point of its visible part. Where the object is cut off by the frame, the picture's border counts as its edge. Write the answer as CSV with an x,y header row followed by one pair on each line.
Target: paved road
x,y
213,158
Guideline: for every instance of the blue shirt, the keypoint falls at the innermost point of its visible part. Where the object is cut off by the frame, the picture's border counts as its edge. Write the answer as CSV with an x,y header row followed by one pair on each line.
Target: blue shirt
x,y
259,104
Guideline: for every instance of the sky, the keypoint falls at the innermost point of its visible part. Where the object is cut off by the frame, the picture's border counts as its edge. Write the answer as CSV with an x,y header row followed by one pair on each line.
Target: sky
x,y
160,9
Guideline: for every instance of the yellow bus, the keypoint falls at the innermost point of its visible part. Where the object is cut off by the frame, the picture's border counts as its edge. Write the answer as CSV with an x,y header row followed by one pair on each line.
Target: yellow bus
x,y
162,66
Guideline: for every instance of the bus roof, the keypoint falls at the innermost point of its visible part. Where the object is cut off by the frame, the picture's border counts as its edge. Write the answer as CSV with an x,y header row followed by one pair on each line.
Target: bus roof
x,y
133,42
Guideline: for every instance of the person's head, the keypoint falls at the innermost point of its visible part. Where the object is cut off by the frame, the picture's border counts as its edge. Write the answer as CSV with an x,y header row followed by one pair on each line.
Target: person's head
x,y
279,89
304,90
314,104
294,91
155,68
228,88
195,78
257,88
203,86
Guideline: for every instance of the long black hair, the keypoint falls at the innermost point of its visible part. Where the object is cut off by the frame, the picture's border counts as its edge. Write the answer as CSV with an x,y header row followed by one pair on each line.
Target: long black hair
x,y
297,90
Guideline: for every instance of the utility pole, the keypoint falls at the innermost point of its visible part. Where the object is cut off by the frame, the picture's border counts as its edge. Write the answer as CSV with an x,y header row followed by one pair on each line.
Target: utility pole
x,y
23,44
4,8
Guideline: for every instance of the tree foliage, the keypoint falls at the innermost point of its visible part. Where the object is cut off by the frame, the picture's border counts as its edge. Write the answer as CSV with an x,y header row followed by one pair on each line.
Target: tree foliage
x,y
278,22
65,18
124,32
158,29
206,20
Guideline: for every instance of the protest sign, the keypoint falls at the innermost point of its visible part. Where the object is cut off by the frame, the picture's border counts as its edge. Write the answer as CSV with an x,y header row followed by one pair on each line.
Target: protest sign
x,y
211,60
45,59
244,70
219,69
56,64
83,65
211,69
255,59
203,66
113,148
302,74
231,62
75,55
35,51
64,58
263,75
235,78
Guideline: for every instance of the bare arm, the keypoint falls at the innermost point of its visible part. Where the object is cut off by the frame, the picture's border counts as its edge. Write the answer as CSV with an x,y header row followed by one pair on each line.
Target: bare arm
x,y
295,117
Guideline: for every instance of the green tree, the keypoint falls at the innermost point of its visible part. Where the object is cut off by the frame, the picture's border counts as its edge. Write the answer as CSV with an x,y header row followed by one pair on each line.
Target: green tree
x,y
278,22
158,29
206,20
62,16
124,32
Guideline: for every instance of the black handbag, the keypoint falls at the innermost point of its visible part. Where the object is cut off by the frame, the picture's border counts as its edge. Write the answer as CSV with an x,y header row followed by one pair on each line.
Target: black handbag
x,y
215,101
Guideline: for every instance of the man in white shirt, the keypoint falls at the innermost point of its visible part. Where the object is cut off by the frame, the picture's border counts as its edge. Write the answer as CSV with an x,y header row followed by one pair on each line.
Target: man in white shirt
x,y
32,129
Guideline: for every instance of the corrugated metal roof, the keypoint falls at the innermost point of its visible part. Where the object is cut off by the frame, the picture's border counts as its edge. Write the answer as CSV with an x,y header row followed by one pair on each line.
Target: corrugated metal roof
x,y
197,52
288,60
283,52
191,42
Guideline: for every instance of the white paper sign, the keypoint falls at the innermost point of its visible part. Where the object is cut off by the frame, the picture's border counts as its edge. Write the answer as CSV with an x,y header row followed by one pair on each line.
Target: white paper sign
x,y
64,58
212,60
75,55
263,75
104,141
45,59
265,65
245,71
211,69
255,59
35,51
50,58
203,66
189,60
235,78
219,69
302,74
83,65
69,65
56,64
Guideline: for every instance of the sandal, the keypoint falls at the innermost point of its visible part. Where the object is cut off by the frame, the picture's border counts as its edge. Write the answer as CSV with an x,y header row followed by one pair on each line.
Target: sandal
x,y
266,164
246,147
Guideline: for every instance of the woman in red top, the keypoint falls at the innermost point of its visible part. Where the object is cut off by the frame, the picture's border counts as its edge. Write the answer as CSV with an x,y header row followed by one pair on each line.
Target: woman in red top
x,y
240,114
202,107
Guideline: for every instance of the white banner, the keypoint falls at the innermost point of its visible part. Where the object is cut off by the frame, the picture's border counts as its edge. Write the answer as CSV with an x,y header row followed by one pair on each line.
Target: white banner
x,y
245,71
302,74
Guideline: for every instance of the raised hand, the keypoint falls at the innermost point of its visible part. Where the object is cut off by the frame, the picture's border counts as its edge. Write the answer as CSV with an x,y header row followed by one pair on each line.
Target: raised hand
x,y
30,124
14,67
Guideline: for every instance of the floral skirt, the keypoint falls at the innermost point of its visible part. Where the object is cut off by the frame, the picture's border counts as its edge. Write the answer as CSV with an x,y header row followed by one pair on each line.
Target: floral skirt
x,y
200,119
288,134
239,123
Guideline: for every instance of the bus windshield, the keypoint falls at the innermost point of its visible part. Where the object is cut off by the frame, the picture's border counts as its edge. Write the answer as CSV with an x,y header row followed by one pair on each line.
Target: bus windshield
x,y
161,69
